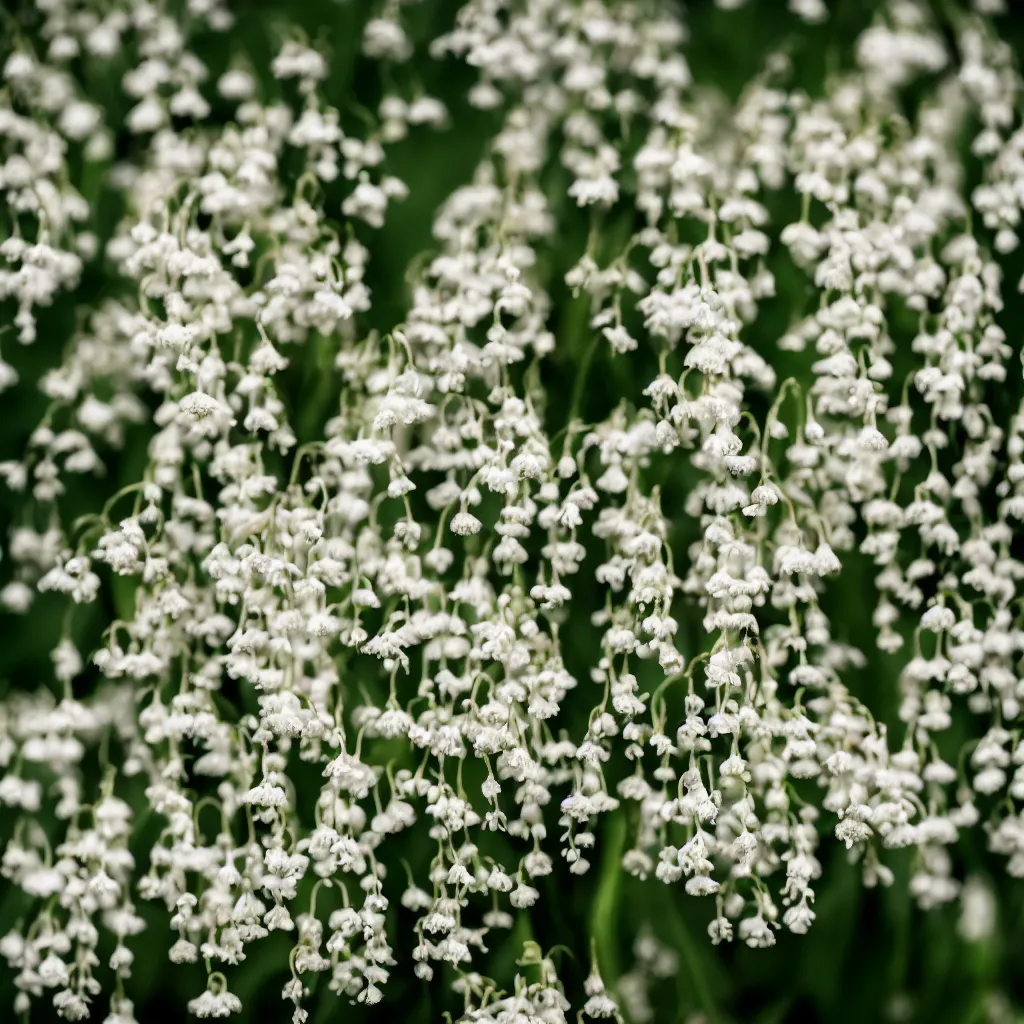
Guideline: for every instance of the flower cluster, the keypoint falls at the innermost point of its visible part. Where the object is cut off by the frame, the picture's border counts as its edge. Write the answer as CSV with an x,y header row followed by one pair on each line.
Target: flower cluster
x,y
357,612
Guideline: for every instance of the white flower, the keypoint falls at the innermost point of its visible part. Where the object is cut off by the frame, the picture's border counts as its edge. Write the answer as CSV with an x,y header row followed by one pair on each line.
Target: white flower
x,y
464,524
